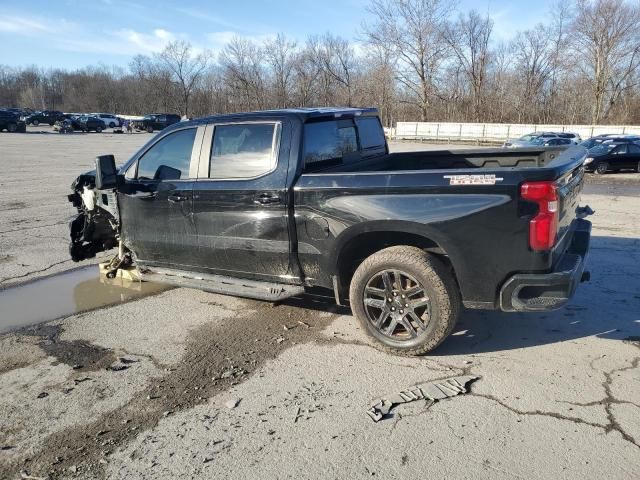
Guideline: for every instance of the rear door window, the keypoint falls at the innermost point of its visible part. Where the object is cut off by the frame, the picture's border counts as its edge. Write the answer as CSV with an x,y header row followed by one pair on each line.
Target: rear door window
x,y
242,151
328,143
169,158
371,132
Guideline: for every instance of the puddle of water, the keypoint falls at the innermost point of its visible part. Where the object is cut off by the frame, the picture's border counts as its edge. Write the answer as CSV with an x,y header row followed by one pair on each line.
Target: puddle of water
x,y
65,294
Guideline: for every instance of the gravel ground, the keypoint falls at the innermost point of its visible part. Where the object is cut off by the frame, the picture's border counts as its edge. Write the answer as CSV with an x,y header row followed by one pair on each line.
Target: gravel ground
x,y
187,384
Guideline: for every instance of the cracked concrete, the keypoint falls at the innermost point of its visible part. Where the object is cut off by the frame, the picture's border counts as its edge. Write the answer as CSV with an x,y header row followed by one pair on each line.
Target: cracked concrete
x,y
559,394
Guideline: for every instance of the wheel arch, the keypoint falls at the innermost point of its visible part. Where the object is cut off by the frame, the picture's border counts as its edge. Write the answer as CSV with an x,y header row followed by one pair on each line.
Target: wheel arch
x,y
363,240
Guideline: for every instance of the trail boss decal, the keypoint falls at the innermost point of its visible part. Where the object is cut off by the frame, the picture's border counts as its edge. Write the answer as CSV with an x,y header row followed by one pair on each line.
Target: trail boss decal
x,y
473,179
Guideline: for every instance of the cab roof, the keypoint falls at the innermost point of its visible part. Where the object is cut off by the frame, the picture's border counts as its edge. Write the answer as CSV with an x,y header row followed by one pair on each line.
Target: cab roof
x,y
302,113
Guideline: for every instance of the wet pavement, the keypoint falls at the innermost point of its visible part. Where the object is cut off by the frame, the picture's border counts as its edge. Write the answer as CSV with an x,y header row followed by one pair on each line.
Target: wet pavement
x,y
66,294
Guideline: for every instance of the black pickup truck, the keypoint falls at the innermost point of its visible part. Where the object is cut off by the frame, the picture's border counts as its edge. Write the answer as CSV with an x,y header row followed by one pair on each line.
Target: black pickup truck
x,y
267,204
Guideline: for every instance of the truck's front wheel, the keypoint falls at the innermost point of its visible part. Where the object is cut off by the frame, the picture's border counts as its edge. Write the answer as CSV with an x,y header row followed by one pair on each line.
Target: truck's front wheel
x,y
406,299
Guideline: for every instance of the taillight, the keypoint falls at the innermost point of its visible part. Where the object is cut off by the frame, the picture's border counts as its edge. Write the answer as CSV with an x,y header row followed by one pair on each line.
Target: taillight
x,y
544,226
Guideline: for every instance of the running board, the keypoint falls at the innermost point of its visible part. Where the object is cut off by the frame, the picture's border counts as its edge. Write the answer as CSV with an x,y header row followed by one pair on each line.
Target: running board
x,y
237,287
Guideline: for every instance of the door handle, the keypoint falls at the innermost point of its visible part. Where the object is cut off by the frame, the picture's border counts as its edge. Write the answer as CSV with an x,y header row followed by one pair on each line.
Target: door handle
x,y
177,198
267,198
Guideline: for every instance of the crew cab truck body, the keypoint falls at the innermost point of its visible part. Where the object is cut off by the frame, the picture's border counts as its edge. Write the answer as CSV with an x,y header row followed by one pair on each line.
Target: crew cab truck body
x,y
267,204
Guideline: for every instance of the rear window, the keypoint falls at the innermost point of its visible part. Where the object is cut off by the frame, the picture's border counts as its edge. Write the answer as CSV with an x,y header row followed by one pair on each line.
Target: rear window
x,y
370,131
327,142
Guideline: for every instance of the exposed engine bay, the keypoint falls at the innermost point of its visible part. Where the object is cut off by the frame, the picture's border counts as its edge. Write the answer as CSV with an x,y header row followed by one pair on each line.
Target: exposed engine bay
x,y
97,227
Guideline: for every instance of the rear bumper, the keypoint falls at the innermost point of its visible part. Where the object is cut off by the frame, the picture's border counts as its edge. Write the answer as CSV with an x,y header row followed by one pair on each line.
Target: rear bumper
x,y
549,291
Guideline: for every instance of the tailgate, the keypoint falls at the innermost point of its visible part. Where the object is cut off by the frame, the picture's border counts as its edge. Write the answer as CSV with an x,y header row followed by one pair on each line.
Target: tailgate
x,y
569,189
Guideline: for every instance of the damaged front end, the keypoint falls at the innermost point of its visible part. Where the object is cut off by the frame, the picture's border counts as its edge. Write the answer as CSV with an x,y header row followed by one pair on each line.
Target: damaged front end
x,y
96,228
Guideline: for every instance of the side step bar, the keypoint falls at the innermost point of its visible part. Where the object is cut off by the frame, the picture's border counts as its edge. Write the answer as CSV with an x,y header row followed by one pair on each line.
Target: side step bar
x,y
237,287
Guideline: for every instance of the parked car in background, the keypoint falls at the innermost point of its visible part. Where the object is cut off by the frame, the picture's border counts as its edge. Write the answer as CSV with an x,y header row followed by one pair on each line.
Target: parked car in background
x,y
609,138
46,116
574,137
10,121
613,157
156,121
88,123
531,140
109,119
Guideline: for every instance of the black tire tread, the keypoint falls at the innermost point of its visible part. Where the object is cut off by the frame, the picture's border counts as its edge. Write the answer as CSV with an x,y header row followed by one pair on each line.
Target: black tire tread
x,y
430,267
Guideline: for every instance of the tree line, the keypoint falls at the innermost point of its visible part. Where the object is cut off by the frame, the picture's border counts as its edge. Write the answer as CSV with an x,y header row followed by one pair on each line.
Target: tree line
x,y
414,60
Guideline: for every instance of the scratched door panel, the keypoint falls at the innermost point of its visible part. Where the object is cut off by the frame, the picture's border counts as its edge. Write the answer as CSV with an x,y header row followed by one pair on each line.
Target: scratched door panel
x,y
242,224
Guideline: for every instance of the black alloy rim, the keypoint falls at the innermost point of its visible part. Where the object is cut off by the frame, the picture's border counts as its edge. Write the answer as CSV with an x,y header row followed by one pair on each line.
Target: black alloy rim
x,y
397,305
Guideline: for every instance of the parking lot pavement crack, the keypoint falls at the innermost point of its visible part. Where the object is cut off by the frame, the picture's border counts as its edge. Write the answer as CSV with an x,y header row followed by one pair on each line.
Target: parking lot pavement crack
x,y
611,400
612,424
24,275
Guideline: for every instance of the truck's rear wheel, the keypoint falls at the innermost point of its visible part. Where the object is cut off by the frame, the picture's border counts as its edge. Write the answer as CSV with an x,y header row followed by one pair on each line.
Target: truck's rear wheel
x,y
406,299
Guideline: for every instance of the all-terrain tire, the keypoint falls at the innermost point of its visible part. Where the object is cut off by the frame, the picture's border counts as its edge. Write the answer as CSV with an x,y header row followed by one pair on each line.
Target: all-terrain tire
x,y
602,168
435,278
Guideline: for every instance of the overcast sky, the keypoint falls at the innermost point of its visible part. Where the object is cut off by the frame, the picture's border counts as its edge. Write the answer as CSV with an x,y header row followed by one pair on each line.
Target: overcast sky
x,y
76,33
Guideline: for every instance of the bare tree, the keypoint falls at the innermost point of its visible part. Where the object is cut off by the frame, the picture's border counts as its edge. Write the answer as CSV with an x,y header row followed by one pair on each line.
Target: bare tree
x,y
338,61
185,68
242,60
306,71
469,40
413,31
532,51
607,34
280,55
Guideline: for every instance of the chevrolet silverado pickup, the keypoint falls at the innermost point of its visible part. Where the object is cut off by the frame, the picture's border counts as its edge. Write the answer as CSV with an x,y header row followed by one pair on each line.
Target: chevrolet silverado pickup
x,y
268,204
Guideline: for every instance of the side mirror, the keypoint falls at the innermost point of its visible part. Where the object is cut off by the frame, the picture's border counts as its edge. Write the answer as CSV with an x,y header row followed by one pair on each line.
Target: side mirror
x,y
106,172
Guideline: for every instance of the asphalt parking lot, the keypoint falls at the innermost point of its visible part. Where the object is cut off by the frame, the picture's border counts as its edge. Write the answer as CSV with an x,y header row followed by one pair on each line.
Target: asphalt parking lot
x,y
179,383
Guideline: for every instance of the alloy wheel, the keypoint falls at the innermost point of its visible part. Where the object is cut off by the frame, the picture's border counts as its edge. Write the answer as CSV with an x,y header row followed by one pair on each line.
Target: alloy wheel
x,y
397,305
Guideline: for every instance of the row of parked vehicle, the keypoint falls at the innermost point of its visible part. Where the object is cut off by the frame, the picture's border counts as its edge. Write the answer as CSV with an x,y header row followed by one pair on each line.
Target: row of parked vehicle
x,y
544,139
607,152
17,119
612,153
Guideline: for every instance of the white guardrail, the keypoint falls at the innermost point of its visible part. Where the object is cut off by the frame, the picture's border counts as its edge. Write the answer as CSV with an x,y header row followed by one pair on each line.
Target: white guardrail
x,y
496,132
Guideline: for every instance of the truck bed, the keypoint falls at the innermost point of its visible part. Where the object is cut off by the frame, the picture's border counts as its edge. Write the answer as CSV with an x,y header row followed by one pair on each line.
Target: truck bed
x,y
456,159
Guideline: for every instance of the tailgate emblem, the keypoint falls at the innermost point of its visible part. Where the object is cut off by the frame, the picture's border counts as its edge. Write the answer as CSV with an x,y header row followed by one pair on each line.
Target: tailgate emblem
x,y
485,179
